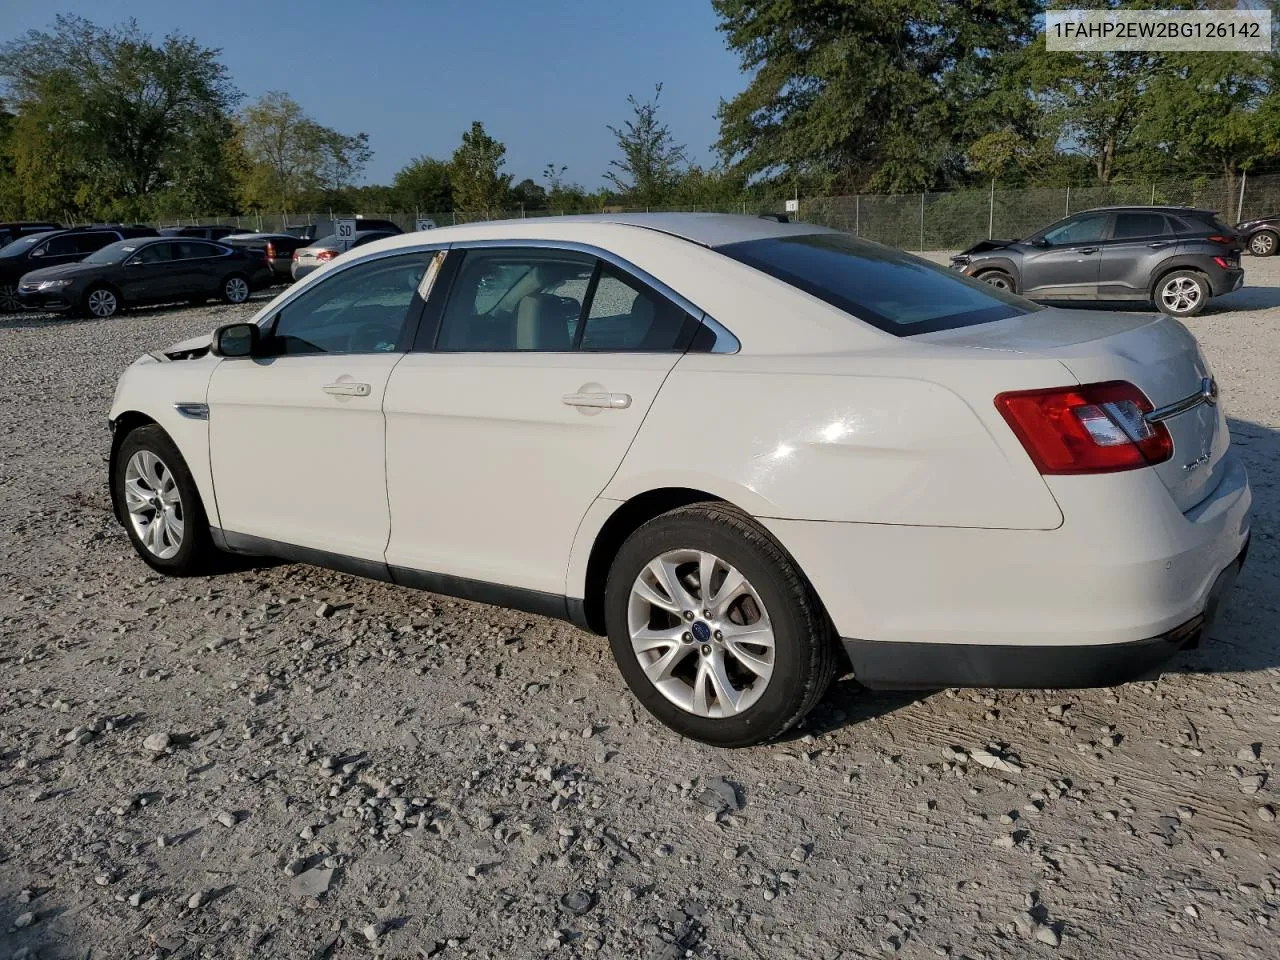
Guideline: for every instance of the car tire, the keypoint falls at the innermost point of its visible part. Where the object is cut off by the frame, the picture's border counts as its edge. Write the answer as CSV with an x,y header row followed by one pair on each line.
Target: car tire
x,y
9,302
999,279
1264,243
101,302
691,672
151,480
234,288
1182,293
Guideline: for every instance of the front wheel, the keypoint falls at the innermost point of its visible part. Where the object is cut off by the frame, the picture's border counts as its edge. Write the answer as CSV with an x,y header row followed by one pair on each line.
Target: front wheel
x,y
9,302
1183,293
101,302
162,510
235,289
1264,243
998,279
714,629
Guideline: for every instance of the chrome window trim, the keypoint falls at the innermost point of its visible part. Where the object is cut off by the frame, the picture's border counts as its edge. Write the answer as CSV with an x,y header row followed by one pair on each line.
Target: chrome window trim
x,y
300,288
726,342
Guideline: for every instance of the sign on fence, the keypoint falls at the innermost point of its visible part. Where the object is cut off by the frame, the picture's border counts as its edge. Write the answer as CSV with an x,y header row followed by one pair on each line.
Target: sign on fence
x,y
344,232
793,206
424,223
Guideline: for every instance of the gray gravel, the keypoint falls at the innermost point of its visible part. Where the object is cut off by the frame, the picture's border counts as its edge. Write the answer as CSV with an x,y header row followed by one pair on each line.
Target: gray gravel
x,y
207,768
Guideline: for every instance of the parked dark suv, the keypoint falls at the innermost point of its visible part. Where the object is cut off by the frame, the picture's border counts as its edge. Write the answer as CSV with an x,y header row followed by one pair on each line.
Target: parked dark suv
x,y
50,249
11,230
1176,257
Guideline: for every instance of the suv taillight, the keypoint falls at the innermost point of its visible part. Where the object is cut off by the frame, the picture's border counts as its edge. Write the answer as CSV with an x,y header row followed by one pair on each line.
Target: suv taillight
x,y
271,250
1095,428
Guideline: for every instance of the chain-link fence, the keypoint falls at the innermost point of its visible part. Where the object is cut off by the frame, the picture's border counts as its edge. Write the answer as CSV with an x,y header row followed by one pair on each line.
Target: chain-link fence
x,y
921,221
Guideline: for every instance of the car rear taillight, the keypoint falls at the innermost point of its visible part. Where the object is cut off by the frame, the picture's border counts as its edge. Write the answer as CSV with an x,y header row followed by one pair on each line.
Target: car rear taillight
x,y
1095,428
294,258
1219,238
271,250
325,255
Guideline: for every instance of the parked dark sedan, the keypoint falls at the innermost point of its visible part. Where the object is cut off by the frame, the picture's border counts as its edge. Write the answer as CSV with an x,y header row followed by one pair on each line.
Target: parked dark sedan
x,y
215,232
52,248
277,248
1176,257
11,230
1261,236
131,272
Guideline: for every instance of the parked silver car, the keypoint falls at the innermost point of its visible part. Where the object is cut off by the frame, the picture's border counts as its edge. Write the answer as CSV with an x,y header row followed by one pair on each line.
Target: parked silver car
x,y
307,259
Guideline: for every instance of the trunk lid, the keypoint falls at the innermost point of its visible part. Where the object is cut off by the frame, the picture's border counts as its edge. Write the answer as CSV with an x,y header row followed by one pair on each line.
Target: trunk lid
x,y
1156,354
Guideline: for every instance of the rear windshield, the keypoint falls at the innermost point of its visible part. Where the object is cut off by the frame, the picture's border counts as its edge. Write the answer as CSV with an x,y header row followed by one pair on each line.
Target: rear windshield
x,y
891,290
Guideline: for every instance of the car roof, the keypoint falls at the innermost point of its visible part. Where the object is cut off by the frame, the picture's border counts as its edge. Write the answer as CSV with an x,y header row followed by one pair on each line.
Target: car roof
x,y
1146,208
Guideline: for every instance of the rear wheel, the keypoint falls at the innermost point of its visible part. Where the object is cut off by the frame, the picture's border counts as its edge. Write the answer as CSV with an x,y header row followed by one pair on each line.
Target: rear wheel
x,y
9,302
1183,293
714,629
1264,243
235,289
998,279
101,302
163,513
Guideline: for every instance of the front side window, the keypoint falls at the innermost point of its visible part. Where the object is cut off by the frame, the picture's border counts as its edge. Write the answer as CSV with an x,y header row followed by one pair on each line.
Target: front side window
x,y
361,309
156,253
515,299
65,245
1087,229
626,316
1139,226
889,289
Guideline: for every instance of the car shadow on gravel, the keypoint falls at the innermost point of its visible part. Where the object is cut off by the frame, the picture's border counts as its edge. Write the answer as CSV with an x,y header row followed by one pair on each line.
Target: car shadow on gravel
x,y
33,320
1246,298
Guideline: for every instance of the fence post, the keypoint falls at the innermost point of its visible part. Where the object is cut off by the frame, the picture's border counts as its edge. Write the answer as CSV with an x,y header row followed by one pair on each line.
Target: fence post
x,y
857,214
1068,210
1244,178
1153,193
991,213
922,223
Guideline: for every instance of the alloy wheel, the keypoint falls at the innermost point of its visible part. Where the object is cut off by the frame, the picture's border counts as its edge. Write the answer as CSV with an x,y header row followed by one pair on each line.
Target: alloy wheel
x,y
998,281
103,303
1263,245
154,503
701,633
9,302
1180,294
237,290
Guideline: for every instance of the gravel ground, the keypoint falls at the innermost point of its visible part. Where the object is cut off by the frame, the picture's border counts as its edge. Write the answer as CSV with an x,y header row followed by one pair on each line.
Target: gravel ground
x,y
287,762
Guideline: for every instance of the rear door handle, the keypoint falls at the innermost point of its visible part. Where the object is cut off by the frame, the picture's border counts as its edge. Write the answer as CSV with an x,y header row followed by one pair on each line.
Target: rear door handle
x,y
1159,243
609,401
347,389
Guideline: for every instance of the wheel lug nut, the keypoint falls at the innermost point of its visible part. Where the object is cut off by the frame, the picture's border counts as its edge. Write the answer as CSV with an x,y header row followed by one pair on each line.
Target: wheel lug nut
x,y
719,635
687,638
706,649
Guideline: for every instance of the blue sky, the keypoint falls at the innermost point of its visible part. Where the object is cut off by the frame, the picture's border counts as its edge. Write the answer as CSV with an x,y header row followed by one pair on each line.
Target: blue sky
x,y
544,76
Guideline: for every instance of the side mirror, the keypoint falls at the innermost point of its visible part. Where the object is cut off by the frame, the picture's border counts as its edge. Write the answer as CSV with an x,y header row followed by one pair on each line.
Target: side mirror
x,y
236,340
1040,242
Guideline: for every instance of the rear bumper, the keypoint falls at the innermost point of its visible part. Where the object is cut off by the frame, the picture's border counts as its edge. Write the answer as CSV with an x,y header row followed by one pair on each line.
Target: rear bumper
x,y
300,270
1222,282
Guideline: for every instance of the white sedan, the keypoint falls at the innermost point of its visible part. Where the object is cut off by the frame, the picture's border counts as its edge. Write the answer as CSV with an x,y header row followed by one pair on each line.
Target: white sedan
x,y
752,453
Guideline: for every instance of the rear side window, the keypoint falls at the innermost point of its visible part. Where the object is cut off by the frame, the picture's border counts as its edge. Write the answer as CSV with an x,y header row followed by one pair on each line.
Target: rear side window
x,y
192,250
89,242
627,316
1136,226
891,290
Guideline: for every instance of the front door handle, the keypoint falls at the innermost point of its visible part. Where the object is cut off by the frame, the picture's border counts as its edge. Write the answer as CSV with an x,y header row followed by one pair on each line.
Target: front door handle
x,y
1089,250
1159,243
347,389
609,401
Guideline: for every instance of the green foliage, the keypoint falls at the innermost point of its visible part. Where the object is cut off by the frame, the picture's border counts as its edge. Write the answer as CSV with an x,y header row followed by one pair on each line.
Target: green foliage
x,y
109,120
652,162
423,184
528,195
479,185
293,162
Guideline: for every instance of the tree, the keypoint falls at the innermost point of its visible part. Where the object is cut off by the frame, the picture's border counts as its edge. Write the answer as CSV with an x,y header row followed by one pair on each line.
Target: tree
x,y
879,94
528,195
423,184
652,162
563,196
117,119
292,158
479,185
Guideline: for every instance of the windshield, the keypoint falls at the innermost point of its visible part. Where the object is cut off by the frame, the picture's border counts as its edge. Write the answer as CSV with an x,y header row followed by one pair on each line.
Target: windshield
x,y
889,289
21,245
112,252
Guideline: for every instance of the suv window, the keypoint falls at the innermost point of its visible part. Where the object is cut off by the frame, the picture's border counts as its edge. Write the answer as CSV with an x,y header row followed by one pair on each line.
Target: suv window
x,y
1133,226
361,309
515,299
90,242
68,244
1085,229
889,289
625,315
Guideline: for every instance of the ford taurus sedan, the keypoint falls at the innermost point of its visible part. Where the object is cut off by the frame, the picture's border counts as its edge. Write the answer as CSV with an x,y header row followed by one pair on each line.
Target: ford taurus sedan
x,y
750,453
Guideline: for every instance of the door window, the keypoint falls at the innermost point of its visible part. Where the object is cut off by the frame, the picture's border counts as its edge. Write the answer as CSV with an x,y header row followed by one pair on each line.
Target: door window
x,y
625,315
92,242
1085,229
361,309
156,253
193,250
1137,226
515,299
63,246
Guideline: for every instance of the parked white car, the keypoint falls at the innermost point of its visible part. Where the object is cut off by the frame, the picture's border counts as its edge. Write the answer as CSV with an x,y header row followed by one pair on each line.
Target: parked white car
x,y
752,453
